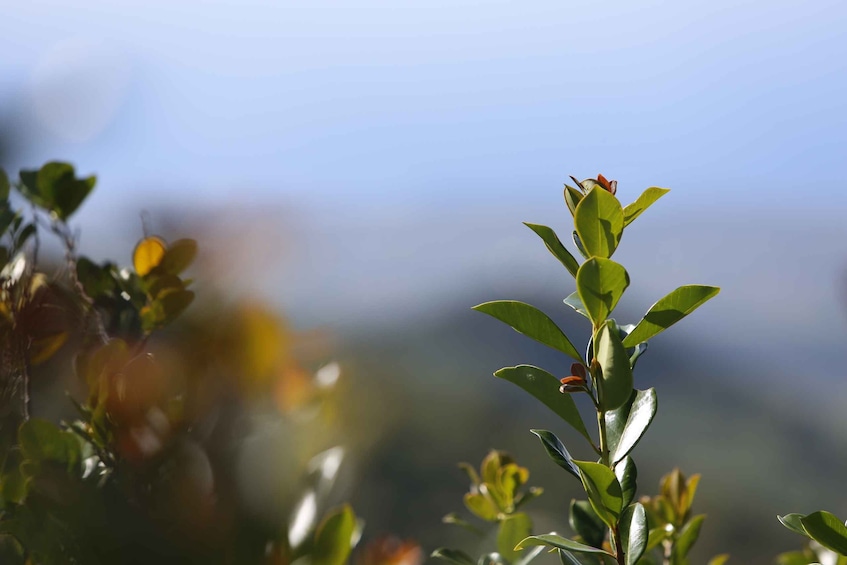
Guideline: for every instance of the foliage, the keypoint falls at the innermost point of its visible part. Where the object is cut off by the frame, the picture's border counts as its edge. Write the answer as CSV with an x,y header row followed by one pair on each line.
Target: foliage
x,y
147,472
610,525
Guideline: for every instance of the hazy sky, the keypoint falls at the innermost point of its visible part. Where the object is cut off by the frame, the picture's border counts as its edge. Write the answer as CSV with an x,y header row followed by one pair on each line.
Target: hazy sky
x,y
405,141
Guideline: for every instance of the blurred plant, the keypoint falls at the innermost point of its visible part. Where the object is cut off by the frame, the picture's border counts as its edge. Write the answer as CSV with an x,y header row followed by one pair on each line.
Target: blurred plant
x,y
611,525
150,470
495,496
828,535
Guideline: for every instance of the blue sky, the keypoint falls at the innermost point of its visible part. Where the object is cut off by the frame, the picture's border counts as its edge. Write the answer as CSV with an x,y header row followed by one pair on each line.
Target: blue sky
x,y
413,137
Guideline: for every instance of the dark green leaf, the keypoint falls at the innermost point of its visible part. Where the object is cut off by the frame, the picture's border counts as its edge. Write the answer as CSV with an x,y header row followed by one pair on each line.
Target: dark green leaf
x,y
668,311
95,280
634,532
41,441
545,387
510,532
627,474
826,529
579,246
599,222
554,245
174,303
572,198
568,558
793,523
626,424
585,522
574,302
687,536
56,188
600,284
557,541
334,537
453,556
531,322
647,198
557,451
7,216
4,185
603,489
616,384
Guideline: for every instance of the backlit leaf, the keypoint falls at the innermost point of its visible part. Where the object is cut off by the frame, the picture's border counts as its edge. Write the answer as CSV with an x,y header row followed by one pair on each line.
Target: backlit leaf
x,y
668,311
334,537
557,451
599,221
647,198
531,322
554,245
603,489
148,254
600,284
826,529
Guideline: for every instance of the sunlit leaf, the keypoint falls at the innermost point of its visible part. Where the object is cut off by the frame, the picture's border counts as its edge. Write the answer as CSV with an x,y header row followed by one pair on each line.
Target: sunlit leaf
x,y
510,532
148,254
793,523
668,311
687,536
616,384
545,387
603,489
554,245
600,284
626,424
572,198
647,198
481,505
334,537
531,322
454,556
826,529
575,302
627,474
721,559
634,532
559,542
599,222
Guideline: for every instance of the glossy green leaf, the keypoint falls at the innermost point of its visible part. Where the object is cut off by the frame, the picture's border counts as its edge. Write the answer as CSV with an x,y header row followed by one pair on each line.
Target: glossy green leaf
x,y
585,522
4,185
531,322
626,424
600,284
334,537
575,302
627,474
568,558
454,556
647,198
669,310
510,532
687,537
599,222
826,529
603,489
557,451
793,523
557,541
572,198
554,245
634,532
545,387
616,383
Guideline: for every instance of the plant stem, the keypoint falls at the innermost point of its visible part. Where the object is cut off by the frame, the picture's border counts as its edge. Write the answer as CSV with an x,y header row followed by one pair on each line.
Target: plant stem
x,y
617,542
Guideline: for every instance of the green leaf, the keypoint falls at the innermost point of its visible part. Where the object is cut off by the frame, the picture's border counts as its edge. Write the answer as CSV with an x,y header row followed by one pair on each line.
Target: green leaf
x,y
687,536
453,556
599,222
627,474
511,531
668,311
616,383
579,246
568,558
720,559
600,284
574,302
793,523
557,541
626,424
585,522
545,387
656,536
334,537
7,216
56,188
792,558
531,322
457,520
492,558
178,256
647,198
572,198
42,441
554,245
174,303
603,489
826,529
481,506
557,451
95,280
4,185
634,532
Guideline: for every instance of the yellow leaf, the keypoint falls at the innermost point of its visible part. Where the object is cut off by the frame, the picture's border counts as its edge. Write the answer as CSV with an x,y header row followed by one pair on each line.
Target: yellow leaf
x,y
148,254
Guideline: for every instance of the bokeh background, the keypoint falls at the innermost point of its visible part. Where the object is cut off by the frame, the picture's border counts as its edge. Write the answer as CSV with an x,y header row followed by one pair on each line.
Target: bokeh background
x,y
364,166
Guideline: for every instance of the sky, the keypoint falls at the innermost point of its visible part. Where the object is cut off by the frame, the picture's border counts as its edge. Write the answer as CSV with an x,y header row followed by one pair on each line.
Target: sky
x,y
400,144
